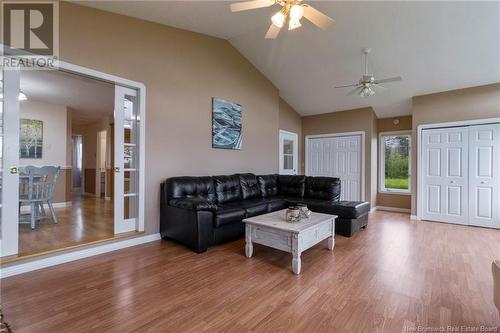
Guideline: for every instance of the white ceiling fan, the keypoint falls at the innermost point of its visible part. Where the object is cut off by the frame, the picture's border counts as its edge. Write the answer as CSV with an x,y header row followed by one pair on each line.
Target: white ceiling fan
x,y
293,10
367,85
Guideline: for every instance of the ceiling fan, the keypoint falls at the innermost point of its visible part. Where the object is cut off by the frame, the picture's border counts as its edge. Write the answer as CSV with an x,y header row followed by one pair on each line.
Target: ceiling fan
x,y
293,10
367,85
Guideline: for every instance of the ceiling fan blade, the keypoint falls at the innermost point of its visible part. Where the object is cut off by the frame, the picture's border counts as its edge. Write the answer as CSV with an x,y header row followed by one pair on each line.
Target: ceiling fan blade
x,y
254,4
273,32
392,79
349,85
355,91
378,86
317,17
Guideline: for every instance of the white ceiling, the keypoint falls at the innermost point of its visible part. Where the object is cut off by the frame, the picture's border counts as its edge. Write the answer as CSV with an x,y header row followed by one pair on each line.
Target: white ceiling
x,y
434,46
91,99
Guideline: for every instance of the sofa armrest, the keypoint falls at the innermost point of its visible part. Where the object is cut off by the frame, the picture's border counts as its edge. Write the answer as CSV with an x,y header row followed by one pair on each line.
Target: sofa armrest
x,y
195,204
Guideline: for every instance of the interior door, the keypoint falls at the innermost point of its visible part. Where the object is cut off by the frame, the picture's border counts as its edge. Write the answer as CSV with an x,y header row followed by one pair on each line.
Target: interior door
x,y
9,162
338,156
288,151
126,143
484,175
445,174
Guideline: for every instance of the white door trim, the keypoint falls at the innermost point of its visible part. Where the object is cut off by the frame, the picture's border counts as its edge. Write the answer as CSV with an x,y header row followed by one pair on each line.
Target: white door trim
x,y
420,128
295,151
330,135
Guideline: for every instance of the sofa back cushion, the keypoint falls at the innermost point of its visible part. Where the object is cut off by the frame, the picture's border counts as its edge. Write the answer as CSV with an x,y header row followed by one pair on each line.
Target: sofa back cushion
x,y
249,186
291,186
190,187
324,188
268,185
227,188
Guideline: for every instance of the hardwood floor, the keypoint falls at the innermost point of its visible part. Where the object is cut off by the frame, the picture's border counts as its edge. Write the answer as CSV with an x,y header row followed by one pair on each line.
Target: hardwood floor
x,y
397,273
89,219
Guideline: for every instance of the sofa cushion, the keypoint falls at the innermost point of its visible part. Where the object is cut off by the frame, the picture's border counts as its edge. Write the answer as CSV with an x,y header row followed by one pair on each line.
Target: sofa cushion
x,y
343,209
249,186
227,188
268,185
189,187
292,186
193,204
252,207
324,188
274,204
228,215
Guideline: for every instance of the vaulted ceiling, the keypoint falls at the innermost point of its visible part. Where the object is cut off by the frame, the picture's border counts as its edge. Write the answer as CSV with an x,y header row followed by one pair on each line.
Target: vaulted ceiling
x,y
434,46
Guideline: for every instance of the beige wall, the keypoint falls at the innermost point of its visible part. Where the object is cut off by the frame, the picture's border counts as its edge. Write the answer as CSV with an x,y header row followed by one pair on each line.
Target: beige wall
x,y
290,120
182,71
387,125
457,105
349,121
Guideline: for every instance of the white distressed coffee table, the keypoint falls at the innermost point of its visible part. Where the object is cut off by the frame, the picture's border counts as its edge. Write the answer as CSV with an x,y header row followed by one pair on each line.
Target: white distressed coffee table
x,y
274,231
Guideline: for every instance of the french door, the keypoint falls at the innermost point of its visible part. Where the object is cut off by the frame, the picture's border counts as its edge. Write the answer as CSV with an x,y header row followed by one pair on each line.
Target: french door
x,y
126,135
126,139
9,162
288,151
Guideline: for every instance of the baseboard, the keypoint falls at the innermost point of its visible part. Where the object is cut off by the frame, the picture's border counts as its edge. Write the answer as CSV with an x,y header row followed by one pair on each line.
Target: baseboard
x,y
26,208
415,217
24,267
394,209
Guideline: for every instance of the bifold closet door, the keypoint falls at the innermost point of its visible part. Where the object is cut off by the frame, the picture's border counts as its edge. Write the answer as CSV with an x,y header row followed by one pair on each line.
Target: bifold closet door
x,y
445,174
338,156
484,175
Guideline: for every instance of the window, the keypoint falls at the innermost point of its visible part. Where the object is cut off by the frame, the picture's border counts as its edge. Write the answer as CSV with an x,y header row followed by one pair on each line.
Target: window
x,y
395,162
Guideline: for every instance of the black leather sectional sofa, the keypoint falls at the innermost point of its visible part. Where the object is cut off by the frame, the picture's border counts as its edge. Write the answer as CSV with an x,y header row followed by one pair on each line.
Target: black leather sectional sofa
x,y
203,211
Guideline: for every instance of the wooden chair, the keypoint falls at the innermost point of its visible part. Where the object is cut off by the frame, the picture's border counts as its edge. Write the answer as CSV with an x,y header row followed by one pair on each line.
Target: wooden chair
x,y
495,267
39,189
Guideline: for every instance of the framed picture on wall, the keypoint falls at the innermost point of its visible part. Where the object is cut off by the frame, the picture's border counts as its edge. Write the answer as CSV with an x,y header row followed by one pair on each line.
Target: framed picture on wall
x,y
30,138
226,124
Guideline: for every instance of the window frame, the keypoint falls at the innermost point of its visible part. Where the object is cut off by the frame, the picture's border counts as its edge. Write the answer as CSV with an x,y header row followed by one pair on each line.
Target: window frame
x,y
381,188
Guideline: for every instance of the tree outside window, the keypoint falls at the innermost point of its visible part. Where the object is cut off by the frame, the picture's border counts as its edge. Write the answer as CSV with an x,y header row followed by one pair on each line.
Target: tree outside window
x,y
395,161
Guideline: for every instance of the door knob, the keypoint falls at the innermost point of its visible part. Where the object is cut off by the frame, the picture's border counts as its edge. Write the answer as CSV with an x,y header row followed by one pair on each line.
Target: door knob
x,y
14,170
117,169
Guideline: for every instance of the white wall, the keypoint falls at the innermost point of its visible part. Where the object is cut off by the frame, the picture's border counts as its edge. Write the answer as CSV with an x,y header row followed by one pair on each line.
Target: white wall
x,y
54,119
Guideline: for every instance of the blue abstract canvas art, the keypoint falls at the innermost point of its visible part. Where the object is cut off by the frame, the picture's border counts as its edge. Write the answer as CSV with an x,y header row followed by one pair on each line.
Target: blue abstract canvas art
x,y
226,124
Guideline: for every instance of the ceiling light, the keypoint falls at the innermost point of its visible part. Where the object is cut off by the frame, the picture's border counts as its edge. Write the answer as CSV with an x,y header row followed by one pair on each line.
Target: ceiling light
x,y
22,96
278,19
294,24
367,92
296,13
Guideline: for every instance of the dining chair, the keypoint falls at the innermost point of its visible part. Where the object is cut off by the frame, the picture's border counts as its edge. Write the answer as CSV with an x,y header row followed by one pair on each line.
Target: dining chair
x,y
39,189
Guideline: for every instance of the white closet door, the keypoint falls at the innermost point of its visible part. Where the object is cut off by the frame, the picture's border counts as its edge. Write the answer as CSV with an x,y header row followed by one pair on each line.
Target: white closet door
x,y
346,164
484,175
445,175
337,157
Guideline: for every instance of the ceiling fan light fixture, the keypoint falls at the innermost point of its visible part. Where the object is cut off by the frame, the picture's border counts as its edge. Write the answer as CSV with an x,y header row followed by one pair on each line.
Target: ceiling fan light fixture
x,y
367,92
294,24
296,13
278,19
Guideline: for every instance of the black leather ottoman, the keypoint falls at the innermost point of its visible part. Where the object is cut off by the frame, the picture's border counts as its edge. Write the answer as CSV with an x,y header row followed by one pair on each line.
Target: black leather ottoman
x,y
354,217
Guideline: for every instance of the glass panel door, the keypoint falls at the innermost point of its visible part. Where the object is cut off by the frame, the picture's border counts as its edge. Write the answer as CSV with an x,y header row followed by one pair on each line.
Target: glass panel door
x,y
126,159
9,142
288,153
